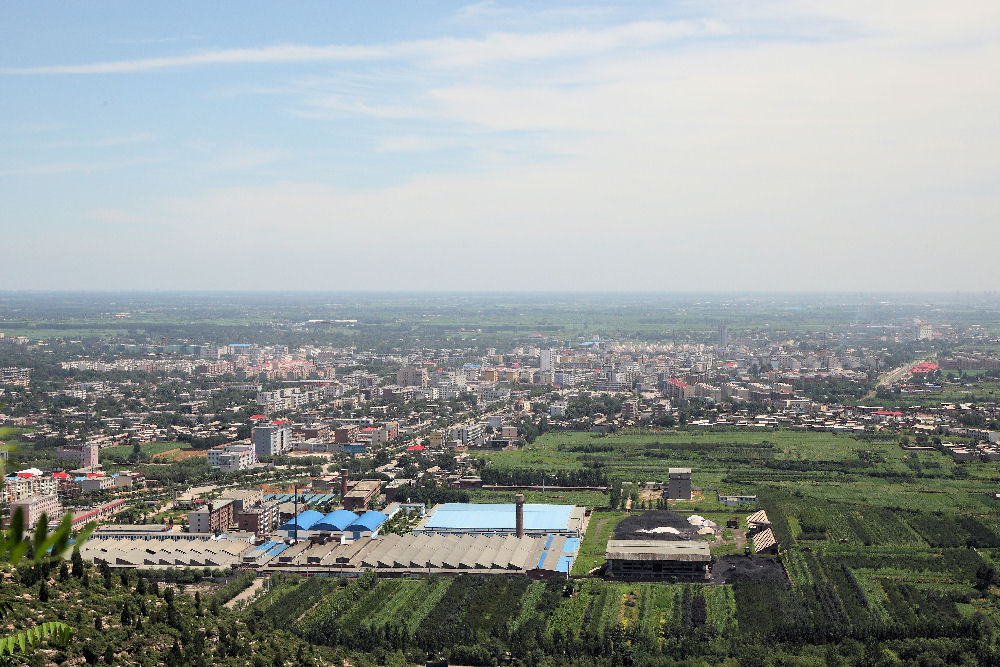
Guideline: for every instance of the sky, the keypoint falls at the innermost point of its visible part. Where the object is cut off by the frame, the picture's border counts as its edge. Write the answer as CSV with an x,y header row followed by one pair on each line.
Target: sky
x,y
664,146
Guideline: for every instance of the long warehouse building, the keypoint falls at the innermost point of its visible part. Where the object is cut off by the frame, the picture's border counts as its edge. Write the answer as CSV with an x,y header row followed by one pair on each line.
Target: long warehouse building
x,y
502,519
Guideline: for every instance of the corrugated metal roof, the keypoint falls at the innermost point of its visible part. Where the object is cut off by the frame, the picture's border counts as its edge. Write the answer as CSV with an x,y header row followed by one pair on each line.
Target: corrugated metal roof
x,y
370,520
657,550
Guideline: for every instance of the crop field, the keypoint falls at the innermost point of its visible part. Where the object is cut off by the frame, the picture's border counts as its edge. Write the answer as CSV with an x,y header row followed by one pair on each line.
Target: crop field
x,y
439,612
879,544
149,449
836,593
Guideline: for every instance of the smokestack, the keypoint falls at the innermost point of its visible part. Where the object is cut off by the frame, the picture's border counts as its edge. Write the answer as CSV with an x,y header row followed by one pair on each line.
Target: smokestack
x,y
343,483
519,524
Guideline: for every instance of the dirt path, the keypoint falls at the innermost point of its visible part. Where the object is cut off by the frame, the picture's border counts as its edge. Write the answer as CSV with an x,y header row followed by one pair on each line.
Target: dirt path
x,y
247,594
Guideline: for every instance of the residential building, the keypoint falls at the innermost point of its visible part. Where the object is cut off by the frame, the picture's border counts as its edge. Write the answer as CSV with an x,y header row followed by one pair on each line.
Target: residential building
x,y
15,376
272,439
216,517
35,506
546,360
232,458
345,434
94,483
27,484
259,519
361,494
412,376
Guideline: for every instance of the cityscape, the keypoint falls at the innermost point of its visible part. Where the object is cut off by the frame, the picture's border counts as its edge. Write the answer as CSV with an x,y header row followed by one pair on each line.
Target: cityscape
x,y
490,333
472,491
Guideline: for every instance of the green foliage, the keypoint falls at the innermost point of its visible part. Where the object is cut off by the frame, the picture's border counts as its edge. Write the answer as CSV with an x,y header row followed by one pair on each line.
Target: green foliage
x,y
55,631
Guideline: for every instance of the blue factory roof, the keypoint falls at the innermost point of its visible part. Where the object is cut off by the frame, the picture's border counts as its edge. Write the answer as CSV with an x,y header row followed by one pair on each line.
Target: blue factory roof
x,y
303,521
336,520
370,520
499,516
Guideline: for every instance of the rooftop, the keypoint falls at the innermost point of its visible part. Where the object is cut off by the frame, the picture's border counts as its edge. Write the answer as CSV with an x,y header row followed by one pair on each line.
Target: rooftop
x,y
499,516
658,550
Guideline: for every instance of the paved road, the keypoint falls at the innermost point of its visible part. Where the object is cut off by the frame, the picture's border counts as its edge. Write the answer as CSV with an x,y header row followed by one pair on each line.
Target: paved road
x,y
247,594
892,377
896,374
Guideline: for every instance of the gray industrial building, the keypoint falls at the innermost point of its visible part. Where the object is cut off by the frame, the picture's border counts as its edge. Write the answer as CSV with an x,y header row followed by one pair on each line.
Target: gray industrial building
x,y
679,484
658,559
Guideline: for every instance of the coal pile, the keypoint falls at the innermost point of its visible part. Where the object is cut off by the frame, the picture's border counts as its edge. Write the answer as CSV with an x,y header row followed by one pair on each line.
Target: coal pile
x,y
729,569
655,525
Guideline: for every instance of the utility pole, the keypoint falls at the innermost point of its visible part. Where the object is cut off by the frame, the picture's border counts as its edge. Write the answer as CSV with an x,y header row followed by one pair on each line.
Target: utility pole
x,y
295,520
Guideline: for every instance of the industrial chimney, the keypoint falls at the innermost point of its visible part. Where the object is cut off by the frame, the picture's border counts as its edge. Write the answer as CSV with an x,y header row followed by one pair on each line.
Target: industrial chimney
x,y
519,522
343,483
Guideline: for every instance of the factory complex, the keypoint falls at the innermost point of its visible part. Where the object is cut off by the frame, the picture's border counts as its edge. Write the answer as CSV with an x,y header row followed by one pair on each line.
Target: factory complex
x,y
428,554
450,538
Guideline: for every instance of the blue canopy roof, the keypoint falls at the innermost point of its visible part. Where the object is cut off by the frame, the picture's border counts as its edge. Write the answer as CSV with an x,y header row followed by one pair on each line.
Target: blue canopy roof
x,y
499,516
370,520
336,520
304,521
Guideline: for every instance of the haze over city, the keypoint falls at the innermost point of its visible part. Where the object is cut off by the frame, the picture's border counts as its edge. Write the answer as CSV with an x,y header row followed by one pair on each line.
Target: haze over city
x,y
493,145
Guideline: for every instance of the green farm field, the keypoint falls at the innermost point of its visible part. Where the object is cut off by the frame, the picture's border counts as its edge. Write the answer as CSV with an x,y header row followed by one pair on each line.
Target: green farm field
x,y
149,449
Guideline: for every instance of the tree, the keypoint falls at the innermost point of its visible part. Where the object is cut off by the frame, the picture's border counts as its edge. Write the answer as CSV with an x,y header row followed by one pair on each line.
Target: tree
x,y
42,546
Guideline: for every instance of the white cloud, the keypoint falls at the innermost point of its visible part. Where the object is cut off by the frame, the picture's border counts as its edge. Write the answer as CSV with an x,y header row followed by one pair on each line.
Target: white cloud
x,y
465,52
851,155
106,142
117,216
53,168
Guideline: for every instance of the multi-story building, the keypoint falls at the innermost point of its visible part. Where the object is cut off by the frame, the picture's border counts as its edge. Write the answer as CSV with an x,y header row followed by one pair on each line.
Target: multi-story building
x,y
412,376
272,439
232,458
96,483
361,494
243,498
259,519
35,506
470,434
90,455
86,455
630,409
26,484
567,378
546,360
215,517
345,434
391,430
287,399
15,376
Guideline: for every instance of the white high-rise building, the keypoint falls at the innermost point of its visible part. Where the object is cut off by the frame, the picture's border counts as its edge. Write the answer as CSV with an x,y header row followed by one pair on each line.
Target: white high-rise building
x,y
545,360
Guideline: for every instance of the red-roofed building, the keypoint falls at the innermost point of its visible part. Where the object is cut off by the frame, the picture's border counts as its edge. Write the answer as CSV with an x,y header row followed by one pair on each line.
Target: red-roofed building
x,y
678,390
